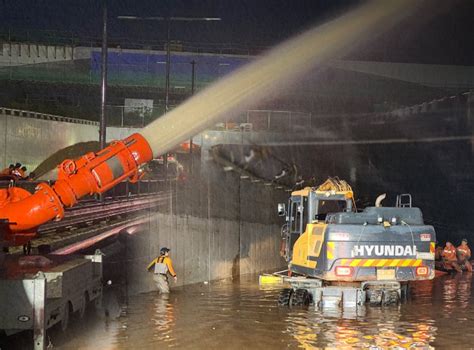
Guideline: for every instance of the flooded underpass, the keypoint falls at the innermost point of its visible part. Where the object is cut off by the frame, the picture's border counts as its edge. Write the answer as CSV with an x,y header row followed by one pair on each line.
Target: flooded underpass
x,y
240,314
332,140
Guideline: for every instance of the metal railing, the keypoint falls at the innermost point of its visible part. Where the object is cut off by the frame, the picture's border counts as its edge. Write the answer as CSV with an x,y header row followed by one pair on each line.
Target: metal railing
x,y
44,116
440,104
125,116
267,120
53,37
122,190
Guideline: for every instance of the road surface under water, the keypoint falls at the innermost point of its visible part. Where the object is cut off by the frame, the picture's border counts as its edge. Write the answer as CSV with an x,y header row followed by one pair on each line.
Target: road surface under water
x,y
242,315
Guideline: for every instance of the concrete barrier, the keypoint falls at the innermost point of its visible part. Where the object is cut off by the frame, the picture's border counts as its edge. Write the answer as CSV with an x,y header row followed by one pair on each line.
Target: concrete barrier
x,y
216,225
202,249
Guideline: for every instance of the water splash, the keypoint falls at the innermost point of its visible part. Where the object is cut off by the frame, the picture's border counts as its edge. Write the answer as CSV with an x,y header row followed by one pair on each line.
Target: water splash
x,y
273,72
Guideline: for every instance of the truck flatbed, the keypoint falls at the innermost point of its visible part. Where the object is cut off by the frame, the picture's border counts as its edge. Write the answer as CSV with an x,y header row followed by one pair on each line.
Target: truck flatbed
x,y
38,292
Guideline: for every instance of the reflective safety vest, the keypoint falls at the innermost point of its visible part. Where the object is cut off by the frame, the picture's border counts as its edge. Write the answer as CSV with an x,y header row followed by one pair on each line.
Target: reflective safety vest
x,y
465,251
163,265
449,253
160,266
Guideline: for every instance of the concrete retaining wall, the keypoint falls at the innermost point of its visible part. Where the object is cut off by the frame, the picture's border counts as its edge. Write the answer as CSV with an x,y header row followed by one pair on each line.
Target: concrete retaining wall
x,y
216,225
202,249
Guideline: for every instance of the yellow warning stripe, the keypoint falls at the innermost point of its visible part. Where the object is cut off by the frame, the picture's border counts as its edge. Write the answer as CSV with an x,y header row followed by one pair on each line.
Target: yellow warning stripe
x,y
381,262
432,247
330,250
355,262
368,262
394,262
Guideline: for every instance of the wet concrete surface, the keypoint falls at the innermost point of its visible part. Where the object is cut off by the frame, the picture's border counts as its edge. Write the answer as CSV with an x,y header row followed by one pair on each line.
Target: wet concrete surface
x,y
241,314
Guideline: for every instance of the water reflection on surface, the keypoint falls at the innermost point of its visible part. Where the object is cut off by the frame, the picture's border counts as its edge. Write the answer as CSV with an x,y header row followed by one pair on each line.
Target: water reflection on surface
x,y
240,315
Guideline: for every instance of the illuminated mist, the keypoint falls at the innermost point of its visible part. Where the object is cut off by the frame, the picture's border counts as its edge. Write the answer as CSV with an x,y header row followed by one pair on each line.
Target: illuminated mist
x,y
274,71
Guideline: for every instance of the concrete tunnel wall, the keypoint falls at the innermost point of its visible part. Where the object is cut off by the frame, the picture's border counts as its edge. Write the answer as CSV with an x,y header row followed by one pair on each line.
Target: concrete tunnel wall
x,y
216,225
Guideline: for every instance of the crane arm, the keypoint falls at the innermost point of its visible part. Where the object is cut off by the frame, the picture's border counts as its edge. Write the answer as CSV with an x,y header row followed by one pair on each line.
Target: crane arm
x,y
93,173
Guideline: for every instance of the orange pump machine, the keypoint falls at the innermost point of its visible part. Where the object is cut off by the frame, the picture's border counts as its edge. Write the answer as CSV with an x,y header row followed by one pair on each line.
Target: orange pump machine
x,y
21,212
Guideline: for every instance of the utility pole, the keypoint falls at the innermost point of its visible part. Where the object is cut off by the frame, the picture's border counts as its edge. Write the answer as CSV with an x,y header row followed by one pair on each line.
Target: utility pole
x,y
103,102
167,84
193,75
168,65
193,79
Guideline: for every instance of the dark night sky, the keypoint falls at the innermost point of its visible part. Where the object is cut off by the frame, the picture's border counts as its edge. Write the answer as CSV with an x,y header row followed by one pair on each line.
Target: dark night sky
x,y
441,32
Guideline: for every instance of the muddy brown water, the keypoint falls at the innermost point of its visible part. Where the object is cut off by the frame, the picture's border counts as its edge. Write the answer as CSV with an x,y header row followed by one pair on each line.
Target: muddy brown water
x,y
242,315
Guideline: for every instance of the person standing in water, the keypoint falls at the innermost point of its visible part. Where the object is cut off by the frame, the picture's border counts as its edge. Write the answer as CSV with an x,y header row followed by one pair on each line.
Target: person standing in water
x,y
162,266
464,254
450,257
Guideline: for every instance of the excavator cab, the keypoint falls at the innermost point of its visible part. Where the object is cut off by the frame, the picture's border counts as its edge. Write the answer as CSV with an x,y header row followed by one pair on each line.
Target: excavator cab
x,y
308,209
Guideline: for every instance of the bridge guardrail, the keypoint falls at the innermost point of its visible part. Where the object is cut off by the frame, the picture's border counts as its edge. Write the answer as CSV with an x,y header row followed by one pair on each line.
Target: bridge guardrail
x,y
44,116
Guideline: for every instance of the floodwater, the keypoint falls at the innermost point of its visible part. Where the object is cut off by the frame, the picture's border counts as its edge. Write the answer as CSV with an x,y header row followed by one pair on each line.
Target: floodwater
x,y
242,315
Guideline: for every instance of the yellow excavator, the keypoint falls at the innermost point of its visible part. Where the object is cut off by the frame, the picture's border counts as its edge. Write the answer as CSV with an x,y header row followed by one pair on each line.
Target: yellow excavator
x,y
338,255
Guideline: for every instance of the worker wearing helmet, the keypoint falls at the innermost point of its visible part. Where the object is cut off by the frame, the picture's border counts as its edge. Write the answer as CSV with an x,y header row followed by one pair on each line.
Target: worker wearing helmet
x,y
17,171
8,171
162,266
450,257
464,254
23,172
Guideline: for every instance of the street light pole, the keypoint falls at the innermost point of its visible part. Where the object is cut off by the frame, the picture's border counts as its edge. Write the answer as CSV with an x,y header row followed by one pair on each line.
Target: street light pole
x,y
193,78
103,102
168,65
193,75
167,84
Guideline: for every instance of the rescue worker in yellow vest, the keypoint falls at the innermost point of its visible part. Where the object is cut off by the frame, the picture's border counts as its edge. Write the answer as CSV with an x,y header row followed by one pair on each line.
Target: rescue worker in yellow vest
x,y
162,265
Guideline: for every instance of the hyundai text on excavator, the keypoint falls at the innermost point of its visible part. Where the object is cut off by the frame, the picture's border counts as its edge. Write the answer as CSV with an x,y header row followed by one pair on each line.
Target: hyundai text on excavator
x,y
338,256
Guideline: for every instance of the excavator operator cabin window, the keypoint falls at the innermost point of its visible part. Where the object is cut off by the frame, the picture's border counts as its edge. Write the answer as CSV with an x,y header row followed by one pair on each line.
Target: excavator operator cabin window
x,y
329,206
304,218
298,215
293,217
